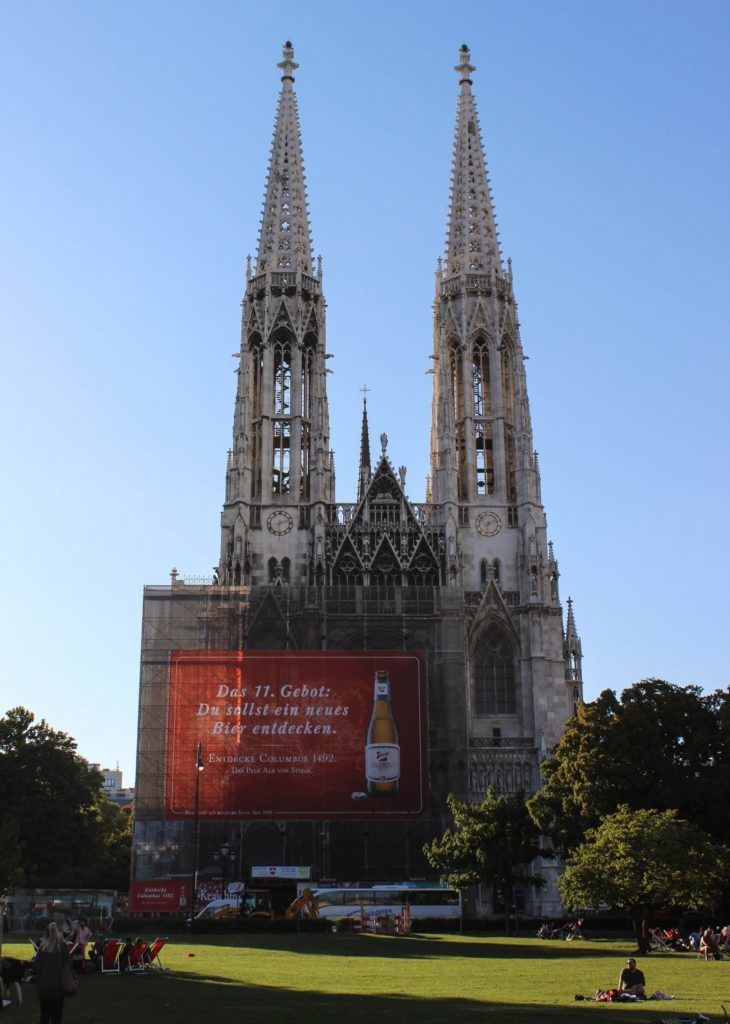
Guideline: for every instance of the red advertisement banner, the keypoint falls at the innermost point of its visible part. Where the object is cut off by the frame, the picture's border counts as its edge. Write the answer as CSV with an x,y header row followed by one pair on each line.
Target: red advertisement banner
x,y
159,896
297,734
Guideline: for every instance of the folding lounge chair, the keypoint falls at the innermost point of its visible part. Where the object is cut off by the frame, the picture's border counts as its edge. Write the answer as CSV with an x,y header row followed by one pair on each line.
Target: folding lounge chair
x,y
663,944
110,956
137,957
153,953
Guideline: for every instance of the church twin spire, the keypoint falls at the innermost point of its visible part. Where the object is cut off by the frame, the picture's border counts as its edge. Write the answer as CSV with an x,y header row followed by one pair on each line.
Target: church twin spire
x,y
284,240
472,243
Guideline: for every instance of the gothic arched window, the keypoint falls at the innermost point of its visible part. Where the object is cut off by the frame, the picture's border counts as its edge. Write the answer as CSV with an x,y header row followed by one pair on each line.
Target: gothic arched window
x,y
282,454
481,379
307,375
273,570
282,377
484,452
455,382
285,568
508,387
495,683
483,572
256,366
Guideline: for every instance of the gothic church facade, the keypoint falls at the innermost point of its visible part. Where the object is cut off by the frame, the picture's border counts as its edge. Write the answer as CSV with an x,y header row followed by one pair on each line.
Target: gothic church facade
x,y
468,576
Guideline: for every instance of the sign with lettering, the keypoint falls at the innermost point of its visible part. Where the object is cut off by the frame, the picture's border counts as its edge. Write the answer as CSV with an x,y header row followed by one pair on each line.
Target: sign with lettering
x,y
296,734
281,871
164,896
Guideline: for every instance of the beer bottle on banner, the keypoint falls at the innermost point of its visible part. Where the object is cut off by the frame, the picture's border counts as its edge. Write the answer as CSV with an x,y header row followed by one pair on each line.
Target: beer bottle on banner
x,y
382,750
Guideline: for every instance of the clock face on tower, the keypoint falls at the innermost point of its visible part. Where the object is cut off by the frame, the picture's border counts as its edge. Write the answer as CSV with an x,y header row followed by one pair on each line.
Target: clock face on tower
x,y
279,523
488,524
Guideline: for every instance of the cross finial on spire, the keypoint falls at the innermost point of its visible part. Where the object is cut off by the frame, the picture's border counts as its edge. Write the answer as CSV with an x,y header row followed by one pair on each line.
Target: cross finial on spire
x,y
464,68
287,63
364,471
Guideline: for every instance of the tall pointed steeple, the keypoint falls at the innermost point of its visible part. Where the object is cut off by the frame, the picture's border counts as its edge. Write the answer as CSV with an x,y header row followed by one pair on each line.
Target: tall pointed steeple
x,y
284,241
280,472
364,469
472,243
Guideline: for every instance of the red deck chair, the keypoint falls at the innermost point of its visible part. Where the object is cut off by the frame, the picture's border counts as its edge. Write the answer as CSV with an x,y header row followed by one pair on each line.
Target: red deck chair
x,y
137,959
661,941
110,956
153,953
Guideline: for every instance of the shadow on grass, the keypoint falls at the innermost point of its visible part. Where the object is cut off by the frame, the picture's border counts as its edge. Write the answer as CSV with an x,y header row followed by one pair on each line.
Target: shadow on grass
x,y
208,998
414,946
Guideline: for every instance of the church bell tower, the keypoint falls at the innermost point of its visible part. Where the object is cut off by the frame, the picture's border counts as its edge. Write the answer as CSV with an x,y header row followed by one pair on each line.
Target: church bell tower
x,y
280,471
485,477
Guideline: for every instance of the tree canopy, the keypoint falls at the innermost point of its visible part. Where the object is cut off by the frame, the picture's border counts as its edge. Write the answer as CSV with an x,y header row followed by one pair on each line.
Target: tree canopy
x,y
659,745
58,828
643,861
493,842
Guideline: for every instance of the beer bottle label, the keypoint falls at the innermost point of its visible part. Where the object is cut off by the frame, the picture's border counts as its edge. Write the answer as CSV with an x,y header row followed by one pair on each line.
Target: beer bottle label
x,y
382,762
382,689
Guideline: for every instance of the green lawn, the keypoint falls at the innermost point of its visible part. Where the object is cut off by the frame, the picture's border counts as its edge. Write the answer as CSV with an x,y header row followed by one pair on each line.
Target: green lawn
x,y
346,979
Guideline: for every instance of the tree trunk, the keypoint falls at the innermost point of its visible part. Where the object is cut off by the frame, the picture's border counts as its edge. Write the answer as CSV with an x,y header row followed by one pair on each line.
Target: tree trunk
x,y
641,930
508,895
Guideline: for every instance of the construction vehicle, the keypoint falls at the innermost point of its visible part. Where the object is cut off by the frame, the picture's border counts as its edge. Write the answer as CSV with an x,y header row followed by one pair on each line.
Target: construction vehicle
x,y
257,905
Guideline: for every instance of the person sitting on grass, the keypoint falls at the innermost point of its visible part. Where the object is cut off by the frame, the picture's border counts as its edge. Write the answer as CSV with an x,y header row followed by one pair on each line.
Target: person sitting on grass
x,y
96,953
709,945
11,975
124,955
631,980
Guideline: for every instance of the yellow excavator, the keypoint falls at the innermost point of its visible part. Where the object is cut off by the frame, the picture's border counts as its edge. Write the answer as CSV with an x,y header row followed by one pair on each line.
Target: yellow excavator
x,y
256,905
305,903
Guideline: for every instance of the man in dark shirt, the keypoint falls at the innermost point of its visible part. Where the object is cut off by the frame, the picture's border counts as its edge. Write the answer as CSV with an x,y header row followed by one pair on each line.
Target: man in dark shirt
x,y
632,980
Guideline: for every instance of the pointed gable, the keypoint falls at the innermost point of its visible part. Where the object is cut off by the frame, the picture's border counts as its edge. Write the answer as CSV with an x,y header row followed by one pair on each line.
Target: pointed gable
x,y
267,626
385,539
492,607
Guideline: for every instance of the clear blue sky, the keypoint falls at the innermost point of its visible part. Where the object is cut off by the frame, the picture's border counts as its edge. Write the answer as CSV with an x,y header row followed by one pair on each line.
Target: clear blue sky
x,y
135,142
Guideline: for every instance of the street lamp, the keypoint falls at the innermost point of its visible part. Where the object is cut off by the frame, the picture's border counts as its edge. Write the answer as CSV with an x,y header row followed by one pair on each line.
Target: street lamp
x,y
199,767
225,855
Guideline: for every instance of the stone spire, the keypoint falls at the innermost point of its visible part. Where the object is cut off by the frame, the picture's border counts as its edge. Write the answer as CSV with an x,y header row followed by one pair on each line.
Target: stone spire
x,y
572,640
364,469
284,242
573,655
280,471
472,243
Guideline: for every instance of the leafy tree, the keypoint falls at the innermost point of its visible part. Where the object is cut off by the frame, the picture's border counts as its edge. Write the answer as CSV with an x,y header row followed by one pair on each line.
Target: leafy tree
x,y
659,745
11,856
51,800
643,861
491,843
114,844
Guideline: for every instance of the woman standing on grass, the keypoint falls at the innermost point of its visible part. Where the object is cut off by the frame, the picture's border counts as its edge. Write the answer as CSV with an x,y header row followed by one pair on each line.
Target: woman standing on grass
x,y
48,969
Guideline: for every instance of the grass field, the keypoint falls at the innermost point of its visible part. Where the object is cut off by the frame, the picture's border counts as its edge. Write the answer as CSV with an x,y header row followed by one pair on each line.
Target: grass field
x,y
348,979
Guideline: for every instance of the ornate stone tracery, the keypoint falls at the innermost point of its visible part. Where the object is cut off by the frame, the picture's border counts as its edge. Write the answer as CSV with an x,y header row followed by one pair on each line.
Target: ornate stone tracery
x,y
381,542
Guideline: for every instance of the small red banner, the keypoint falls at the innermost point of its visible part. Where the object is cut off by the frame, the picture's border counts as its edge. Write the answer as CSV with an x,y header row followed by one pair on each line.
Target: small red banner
x,y
159,896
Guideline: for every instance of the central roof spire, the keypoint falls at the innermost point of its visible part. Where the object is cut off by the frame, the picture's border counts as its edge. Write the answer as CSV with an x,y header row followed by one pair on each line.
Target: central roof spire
x,y
364,468
472,244
284,241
